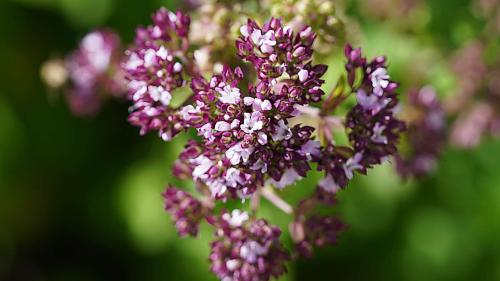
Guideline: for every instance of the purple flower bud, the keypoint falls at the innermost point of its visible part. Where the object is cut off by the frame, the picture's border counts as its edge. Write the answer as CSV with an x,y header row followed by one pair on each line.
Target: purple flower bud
x,y
353,56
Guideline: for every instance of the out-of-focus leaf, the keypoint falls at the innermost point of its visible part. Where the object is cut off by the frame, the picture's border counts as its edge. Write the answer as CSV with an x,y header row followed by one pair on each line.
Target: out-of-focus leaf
x,y
369,204
179,96
142,206
10,137
87,13
435,242
38,3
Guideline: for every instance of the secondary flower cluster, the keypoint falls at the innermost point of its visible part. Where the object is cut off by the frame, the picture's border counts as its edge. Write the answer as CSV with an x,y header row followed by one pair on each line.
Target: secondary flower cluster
x,y
154,68
244,109
246,250
319,14
93,70
476,104
373,129
185,210
425,136
316,231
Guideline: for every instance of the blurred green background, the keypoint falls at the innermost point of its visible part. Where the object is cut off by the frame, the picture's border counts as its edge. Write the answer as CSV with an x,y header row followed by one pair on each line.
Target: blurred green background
x,y
80,198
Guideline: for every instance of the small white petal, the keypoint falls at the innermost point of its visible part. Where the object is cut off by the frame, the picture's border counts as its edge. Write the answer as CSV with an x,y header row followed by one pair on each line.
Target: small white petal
x,y
162,53
236,218
266,48
172,17
203,165
222,126
248,100
165,98
266,105
303,75
229,95
133,62
232,265
157,31
262,138
255,36
235,123
177,67
244,31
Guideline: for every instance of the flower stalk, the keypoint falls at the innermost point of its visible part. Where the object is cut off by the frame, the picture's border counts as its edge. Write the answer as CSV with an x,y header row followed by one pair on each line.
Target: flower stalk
x,y
268,193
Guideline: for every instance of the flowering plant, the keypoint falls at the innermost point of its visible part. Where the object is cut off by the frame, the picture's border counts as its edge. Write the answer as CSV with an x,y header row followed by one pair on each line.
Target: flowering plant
x,y
245,81
249,141
248,104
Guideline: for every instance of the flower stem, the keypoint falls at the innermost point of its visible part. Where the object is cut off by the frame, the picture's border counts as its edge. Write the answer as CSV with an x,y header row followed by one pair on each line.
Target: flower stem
x,y
268,193
255,202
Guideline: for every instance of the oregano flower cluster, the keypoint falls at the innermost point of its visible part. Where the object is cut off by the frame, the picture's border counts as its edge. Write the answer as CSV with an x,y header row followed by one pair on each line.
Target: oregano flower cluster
x,y
245,249
246,105
248,142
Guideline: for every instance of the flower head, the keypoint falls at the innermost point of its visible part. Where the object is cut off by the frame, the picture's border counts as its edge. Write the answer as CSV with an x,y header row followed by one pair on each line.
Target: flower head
x,y
247,251
93,70
154,68
186,211
374,128
282,60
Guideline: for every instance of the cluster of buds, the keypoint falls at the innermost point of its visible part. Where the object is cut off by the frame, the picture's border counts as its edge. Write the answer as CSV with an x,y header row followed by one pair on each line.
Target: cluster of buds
x,y
154,68
186,210
316,231
425,136
244,248
93,71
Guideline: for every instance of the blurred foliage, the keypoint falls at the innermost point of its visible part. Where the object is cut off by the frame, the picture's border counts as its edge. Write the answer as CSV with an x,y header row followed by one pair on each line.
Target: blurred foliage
x,y
80,199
